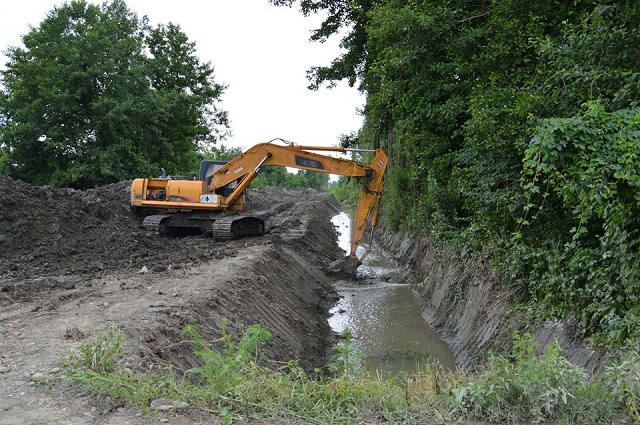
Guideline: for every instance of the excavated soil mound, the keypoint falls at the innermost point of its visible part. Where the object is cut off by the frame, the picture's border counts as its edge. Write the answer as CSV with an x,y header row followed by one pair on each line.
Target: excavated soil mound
x,y
73,262
54,232
47,231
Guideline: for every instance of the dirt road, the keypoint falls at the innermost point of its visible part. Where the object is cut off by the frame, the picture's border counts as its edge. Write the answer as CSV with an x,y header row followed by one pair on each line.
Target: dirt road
x,y
74,262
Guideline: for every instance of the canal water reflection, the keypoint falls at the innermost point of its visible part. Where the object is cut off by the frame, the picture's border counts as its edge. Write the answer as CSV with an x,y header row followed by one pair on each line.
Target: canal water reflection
x,y
383,316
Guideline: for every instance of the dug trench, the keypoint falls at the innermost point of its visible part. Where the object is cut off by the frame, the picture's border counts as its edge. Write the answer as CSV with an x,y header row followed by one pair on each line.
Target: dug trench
x,y
73,263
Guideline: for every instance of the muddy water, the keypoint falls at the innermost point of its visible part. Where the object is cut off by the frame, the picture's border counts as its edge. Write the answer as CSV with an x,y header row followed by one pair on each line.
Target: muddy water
x,y
383,316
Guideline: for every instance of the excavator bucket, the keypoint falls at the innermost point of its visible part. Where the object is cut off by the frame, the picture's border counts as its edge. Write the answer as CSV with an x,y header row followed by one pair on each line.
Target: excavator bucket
x,y
345,268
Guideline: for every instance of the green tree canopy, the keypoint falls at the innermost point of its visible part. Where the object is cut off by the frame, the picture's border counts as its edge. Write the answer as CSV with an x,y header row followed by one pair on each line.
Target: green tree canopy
x,y
512,129
96,95
220,153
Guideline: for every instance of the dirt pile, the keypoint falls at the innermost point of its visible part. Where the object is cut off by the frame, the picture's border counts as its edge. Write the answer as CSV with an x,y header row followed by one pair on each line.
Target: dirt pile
x,y
72,262
47,231
54,232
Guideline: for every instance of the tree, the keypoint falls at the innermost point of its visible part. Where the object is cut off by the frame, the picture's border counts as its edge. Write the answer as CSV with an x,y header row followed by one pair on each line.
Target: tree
x,y
222,153
96,96
278,176
184,91
351,16
314,179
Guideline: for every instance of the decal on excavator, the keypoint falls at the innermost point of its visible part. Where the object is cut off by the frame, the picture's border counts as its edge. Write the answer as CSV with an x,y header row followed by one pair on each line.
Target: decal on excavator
x,y
177,198
309,163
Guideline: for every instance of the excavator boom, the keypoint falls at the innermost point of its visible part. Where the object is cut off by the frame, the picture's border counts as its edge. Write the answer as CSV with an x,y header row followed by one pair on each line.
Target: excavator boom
x,y
220,189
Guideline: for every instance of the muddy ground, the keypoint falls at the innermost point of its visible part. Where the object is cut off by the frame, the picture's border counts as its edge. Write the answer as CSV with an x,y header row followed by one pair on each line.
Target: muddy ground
x,y
74,262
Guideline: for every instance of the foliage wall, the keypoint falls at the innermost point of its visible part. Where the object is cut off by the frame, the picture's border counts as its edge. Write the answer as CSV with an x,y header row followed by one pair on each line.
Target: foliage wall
x,y
513,130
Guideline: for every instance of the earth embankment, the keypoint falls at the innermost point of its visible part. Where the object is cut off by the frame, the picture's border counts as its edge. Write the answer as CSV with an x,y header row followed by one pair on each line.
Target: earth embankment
x,y
468,305
74,262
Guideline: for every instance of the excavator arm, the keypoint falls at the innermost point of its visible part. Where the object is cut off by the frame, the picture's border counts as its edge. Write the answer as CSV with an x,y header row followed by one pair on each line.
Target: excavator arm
x,y
245,168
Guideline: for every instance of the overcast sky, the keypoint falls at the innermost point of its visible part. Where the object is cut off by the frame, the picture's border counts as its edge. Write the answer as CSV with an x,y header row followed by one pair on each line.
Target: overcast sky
x,y
260,51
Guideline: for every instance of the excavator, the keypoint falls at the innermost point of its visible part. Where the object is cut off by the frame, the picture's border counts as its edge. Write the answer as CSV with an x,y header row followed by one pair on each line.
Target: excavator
x,y
215,200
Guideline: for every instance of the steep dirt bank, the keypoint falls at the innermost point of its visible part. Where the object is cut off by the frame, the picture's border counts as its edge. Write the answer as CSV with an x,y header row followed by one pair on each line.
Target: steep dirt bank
x,y
73,262
467,304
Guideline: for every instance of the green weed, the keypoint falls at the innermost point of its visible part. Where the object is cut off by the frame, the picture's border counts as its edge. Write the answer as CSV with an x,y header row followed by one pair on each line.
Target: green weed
x,y
239,382
528,387
345,361
100,354
94,366
623,379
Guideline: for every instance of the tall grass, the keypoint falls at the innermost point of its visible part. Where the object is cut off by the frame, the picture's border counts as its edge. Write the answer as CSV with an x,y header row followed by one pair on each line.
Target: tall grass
x,y
240,382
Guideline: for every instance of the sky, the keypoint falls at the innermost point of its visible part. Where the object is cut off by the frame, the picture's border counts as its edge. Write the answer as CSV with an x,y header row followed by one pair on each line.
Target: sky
x,y
259,51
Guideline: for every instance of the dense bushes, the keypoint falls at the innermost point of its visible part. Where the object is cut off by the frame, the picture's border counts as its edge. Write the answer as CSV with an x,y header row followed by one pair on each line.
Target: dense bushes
x,y
512,129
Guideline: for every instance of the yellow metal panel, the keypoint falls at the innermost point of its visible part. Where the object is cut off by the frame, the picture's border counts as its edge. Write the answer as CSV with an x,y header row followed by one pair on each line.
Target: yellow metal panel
x,y
185,190
137,189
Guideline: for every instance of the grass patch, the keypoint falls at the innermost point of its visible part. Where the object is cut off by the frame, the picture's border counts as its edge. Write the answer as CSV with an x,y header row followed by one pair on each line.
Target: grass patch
x,y
240,382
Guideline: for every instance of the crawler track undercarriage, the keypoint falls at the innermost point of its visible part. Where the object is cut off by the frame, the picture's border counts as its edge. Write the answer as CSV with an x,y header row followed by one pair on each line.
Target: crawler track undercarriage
x,y
221,226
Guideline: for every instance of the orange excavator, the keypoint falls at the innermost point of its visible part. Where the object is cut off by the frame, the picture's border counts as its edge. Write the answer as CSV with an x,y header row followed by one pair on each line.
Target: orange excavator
x,y
215,200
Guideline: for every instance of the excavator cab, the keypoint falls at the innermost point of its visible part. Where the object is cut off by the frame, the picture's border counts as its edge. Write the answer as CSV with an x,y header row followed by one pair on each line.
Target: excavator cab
x,y
207,168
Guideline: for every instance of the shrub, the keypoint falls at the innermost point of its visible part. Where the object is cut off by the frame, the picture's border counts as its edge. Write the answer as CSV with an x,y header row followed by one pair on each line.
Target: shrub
x,y
528,387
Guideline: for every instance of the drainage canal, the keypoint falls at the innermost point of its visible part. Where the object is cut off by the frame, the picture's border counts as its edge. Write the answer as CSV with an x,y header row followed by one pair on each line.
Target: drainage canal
x,y
383,316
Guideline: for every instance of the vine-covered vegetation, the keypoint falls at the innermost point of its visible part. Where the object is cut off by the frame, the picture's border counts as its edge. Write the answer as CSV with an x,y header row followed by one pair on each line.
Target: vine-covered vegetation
x,y
513,129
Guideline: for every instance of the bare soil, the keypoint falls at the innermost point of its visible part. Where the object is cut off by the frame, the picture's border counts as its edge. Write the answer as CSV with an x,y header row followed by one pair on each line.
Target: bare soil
x,y
73,262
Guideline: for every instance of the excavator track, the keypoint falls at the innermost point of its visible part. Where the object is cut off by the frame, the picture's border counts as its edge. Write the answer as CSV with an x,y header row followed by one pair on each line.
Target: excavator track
x,y
236,226
223,227
154,222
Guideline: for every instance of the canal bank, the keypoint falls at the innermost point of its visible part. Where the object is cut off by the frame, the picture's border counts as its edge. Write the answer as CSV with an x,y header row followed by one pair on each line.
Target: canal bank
x,y
468,304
